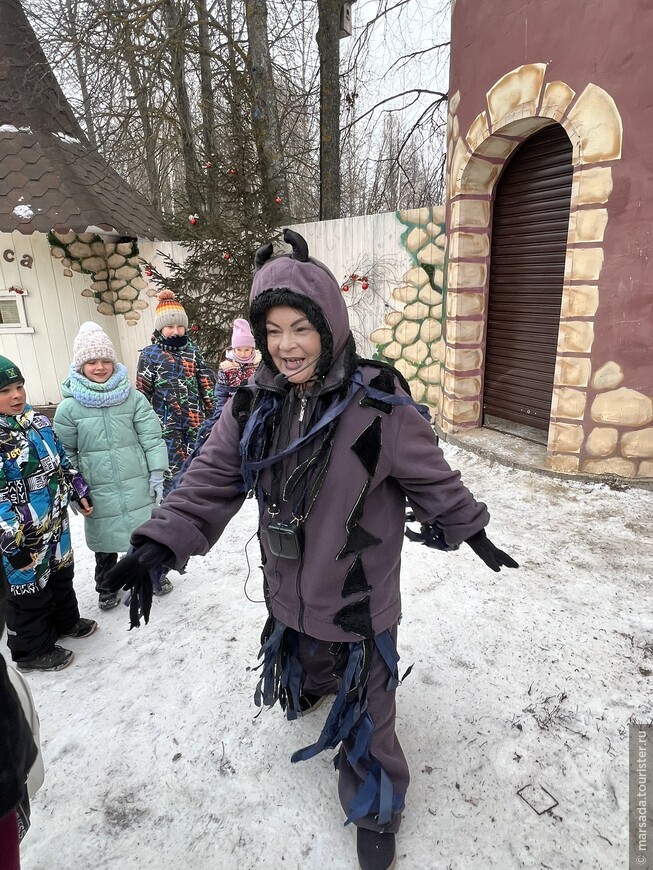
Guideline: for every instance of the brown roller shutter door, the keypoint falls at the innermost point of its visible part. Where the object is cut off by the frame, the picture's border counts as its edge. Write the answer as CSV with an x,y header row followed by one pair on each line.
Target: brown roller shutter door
x,y
529,243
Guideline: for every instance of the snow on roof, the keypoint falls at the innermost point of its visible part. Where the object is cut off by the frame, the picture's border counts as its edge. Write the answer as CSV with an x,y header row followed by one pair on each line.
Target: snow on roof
x,y
65,137
24,212
9,128
45,157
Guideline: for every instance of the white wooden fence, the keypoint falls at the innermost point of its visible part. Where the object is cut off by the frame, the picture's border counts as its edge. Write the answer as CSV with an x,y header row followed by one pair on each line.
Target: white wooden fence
x,y
367,247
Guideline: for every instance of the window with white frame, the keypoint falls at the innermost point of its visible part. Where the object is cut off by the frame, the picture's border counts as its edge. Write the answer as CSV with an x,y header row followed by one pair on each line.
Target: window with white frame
x,y
12,311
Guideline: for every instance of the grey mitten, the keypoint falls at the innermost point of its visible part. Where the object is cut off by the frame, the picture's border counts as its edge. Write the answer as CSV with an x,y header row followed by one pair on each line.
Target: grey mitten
x,y
156,486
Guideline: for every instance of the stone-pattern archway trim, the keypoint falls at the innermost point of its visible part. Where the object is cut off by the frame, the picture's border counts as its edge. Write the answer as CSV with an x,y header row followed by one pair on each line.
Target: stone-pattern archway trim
x,y
520,103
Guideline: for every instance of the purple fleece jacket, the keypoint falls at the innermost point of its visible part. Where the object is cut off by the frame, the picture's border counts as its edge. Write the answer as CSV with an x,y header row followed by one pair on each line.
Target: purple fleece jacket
x,y
411,466
307,594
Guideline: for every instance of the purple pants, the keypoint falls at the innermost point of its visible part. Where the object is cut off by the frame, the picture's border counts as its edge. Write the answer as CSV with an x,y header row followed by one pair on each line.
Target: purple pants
x,y
384,749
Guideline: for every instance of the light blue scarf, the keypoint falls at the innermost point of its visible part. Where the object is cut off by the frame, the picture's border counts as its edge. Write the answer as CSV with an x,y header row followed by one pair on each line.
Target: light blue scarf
x,y
91,395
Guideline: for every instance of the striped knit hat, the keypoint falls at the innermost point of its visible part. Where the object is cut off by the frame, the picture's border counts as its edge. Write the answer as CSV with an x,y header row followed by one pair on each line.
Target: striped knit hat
x,y
169,312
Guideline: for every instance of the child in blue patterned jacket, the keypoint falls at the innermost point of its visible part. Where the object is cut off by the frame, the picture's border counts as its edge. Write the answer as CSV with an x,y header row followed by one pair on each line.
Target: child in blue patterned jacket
x,y
37,482
175,379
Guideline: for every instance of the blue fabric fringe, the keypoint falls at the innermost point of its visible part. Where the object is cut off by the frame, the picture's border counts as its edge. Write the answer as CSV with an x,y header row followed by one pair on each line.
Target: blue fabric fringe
x,y
282,678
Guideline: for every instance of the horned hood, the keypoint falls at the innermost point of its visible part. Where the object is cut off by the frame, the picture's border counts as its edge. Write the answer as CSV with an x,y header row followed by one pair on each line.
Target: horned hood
x,y
297,280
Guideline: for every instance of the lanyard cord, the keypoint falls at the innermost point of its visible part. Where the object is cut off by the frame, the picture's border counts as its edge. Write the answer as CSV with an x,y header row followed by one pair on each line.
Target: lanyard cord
x,y
304,484
330,414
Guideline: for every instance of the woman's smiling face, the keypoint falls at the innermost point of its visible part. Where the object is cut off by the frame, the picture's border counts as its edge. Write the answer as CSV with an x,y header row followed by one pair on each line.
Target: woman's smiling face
x,y
293,343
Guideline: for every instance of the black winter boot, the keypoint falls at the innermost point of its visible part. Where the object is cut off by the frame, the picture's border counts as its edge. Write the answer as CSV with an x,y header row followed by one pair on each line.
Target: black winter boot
x,y
108,600
82,628
56,660
376,851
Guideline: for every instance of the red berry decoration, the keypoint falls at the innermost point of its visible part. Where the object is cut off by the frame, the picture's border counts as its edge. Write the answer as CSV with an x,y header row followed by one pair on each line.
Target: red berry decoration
x,y
193,219
208,164
226,255
233,171
364,285
345,288
194,328
278,200
148,272
353,277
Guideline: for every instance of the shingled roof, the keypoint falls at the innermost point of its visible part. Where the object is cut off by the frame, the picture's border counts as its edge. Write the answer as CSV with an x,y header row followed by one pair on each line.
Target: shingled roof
x,y
50,176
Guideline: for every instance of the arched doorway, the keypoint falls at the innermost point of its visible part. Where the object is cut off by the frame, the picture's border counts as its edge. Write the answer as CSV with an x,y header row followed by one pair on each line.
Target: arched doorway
x,y
529,243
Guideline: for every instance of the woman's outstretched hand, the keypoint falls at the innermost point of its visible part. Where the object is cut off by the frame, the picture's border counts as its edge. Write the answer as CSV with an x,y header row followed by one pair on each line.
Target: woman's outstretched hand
x,y
492,556
133,573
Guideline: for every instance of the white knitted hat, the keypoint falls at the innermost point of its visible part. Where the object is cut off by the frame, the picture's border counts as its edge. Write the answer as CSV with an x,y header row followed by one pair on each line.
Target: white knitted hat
x,y
92,342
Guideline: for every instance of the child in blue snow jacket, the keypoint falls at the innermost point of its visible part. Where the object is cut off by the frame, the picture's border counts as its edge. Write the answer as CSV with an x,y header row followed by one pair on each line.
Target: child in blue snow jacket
x,y
241,363
37,482
18,753
110,431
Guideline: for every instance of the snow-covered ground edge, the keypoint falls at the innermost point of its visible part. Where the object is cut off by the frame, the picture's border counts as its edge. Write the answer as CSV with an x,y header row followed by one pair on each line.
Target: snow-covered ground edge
x,y
155,756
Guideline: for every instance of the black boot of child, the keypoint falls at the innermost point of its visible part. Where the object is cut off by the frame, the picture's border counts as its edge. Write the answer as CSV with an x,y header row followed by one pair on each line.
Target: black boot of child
x,y
376,851
56,660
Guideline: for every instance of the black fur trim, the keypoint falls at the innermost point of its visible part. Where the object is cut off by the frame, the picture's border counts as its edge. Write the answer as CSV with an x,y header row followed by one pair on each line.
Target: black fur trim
x,y
386,368
377,404
357,539
356,618
384,383
355,580
241,407
368,446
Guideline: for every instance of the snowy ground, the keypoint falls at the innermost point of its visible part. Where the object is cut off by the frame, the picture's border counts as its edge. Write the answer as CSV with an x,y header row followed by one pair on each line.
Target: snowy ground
x,y
155,758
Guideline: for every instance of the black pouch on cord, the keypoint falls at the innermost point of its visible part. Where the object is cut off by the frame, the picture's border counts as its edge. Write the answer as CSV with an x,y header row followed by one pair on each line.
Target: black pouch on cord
x,y
284,540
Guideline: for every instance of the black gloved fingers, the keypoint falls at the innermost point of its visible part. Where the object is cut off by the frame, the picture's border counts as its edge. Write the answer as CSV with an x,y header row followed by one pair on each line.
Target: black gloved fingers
x,y
490,559
124,574
493,557
504,559
150,554
141,601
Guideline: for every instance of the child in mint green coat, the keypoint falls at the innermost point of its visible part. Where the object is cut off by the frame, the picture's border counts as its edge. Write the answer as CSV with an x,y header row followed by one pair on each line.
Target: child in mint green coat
x,y
113,433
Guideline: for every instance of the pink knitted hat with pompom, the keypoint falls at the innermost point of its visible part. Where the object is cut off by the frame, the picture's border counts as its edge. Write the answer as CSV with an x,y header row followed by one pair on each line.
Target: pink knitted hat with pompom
x,y
242,334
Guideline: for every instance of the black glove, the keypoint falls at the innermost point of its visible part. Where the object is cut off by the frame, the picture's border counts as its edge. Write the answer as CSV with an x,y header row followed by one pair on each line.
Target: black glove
x,y
20,559
133,573
76,502
432,536
492,556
